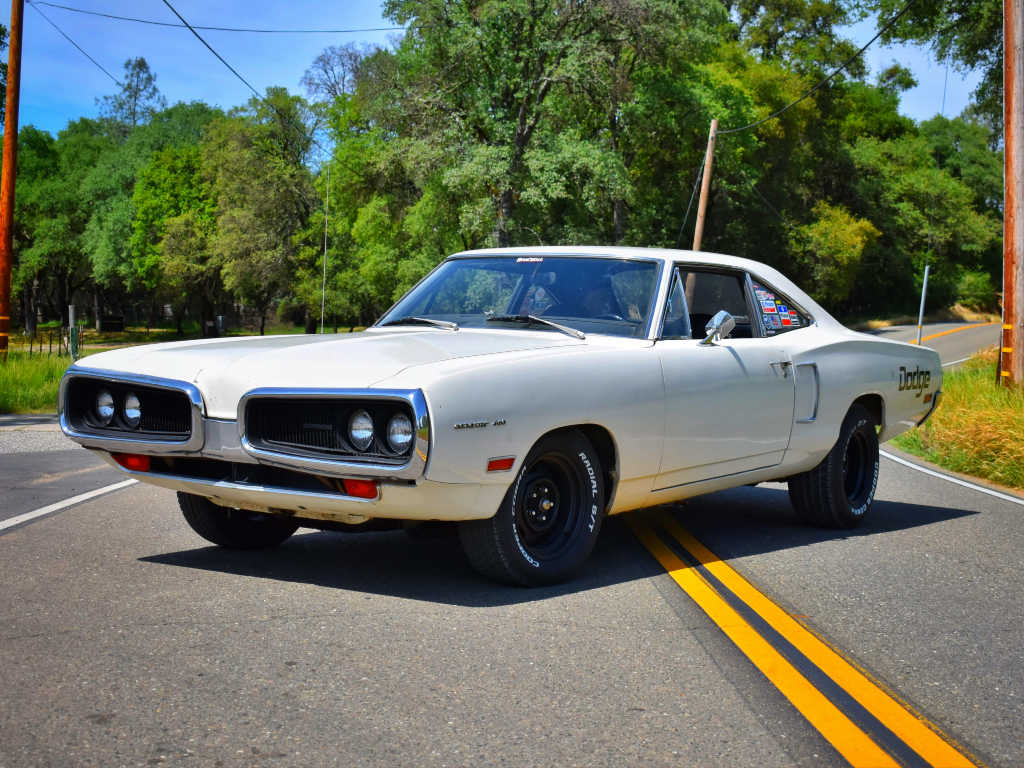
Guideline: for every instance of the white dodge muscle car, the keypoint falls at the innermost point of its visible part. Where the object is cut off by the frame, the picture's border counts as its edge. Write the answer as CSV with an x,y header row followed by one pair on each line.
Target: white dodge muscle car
x,y
525,393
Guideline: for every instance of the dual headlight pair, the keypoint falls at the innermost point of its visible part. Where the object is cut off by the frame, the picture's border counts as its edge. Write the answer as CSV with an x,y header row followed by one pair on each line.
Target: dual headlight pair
x,y
399,432
105,409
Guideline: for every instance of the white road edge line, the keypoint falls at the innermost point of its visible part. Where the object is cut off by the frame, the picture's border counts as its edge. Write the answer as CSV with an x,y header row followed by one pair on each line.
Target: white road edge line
x,y
956,480
954,362
50,509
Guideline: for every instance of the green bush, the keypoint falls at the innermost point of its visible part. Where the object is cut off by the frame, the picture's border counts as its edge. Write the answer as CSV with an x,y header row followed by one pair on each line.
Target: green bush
x,y
975,291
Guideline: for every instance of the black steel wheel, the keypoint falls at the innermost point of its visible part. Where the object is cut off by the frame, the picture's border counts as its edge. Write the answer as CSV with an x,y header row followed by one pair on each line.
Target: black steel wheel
x,y
838,492
549,520
234,528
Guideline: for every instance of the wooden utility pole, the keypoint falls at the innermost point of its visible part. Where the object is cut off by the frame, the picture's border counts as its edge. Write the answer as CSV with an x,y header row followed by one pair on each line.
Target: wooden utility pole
x,y
705,184
1011,368
10,160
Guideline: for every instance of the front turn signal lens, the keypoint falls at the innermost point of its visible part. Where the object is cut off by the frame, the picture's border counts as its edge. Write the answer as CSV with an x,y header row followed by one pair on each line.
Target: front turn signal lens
x,y
134,462
361,489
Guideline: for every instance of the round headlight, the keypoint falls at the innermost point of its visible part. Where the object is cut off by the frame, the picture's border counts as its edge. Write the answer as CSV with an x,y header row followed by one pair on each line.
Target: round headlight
x,y
104,407
360,430
399,432
132,410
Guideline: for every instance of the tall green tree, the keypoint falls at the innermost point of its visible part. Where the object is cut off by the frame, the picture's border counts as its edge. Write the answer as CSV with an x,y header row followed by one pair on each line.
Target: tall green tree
x,y
52,212
252,161
477,79
119,267
137,100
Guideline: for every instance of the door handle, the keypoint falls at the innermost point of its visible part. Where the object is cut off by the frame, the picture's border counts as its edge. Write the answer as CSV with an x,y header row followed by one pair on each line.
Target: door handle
x,y
784,366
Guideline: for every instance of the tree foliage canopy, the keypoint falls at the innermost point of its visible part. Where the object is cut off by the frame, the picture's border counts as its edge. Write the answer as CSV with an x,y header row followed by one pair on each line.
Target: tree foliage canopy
x,y
520,122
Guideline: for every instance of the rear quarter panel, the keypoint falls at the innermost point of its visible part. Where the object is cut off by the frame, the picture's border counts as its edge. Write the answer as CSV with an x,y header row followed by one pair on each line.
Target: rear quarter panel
x,y
851,365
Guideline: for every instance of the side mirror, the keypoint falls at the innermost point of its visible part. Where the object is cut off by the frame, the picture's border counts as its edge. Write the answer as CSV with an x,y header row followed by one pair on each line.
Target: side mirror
x,y
718,328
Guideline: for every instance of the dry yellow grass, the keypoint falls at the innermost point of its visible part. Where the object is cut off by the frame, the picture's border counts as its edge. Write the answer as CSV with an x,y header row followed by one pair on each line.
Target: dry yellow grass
x,y
978,428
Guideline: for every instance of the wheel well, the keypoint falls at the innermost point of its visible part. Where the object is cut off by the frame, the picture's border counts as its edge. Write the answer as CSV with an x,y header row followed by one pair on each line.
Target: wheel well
x,y
603,443
875,406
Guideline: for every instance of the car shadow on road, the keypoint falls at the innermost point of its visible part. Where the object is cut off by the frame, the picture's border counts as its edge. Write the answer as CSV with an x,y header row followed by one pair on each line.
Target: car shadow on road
x,y
757,520
393,563
733,523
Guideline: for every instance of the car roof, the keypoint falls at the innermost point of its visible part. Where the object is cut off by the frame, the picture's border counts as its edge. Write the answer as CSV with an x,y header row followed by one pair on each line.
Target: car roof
x,y
670,255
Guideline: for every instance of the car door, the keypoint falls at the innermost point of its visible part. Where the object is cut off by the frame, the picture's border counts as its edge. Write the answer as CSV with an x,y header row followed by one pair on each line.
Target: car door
x,y
729,404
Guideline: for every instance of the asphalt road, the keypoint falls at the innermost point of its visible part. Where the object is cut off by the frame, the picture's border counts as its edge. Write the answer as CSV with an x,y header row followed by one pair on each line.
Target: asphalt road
x,y
126,640
952,343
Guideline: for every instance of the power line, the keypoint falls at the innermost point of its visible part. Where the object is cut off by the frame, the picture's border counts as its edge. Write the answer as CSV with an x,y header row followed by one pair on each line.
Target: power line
x,y
257,30
827,79
300,130
696,183
210,47
68,38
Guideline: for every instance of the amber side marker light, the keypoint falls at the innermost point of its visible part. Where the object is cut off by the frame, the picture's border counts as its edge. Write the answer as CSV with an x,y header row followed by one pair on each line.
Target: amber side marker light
x,y
361,489
928,397
504,464
133,461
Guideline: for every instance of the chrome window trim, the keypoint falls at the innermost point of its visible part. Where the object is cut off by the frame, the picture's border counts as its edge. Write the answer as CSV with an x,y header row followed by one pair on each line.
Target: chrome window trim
x,y
413,469
122,442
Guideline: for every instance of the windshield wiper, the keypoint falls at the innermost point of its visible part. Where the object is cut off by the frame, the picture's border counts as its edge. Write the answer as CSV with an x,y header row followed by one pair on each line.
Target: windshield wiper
x,y
534,320
410,320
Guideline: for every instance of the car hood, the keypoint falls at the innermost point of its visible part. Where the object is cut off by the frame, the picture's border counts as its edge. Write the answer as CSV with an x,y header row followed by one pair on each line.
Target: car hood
x,y
225,369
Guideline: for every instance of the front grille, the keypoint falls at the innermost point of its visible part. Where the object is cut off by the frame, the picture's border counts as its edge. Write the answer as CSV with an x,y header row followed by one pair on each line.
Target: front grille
x,y
319,427
165,414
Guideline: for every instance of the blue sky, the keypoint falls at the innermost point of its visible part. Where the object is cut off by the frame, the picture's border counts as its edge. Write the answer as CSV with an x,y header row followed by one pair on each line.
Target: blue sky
x,y
59,84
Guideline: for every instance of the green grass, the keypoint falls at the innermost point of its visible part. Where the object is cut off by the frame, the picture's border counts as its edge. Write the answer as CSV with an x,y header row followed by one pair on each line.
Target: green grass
x,y
29,384
978,428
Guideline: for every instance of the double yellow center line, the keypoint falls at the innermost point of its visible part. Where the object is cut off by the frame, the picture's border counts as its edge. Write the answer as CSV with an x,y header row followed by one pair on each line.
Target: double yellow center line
x,y
909,734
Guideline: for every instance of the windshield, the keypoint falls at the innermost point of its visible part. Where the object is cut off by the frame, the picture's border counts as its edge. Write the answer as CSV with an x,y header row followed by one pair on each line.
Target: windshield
x,y
609,296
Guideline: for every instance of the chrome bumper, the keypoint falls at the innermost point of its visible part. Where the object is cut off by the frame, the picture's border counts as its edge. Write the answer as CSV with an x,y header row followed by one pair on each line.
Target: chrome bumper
x,y
425,500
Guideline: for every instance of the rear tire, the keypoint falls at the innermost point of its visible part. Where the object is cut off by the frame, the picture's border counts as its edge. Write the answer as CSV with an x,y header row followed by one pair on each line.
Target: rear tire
x,y
838,492
549,520
233,528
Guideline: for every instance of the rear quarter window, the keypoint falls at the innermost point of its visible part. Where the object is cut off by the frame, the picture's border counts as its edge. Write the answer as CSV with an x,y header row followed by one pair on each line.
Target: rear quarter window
x,y
778,314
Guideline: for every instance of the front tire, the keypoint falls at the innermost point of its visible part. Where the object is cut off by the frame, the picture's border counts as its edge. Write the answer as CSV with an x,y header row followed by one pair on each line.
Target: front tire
x,y
549,520
838,492
233,528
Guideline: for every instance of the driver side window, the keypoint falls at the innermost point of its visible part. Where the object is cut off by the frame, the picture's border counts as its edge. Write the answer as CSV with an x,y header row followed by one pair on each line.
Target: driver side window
x,y
709,292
